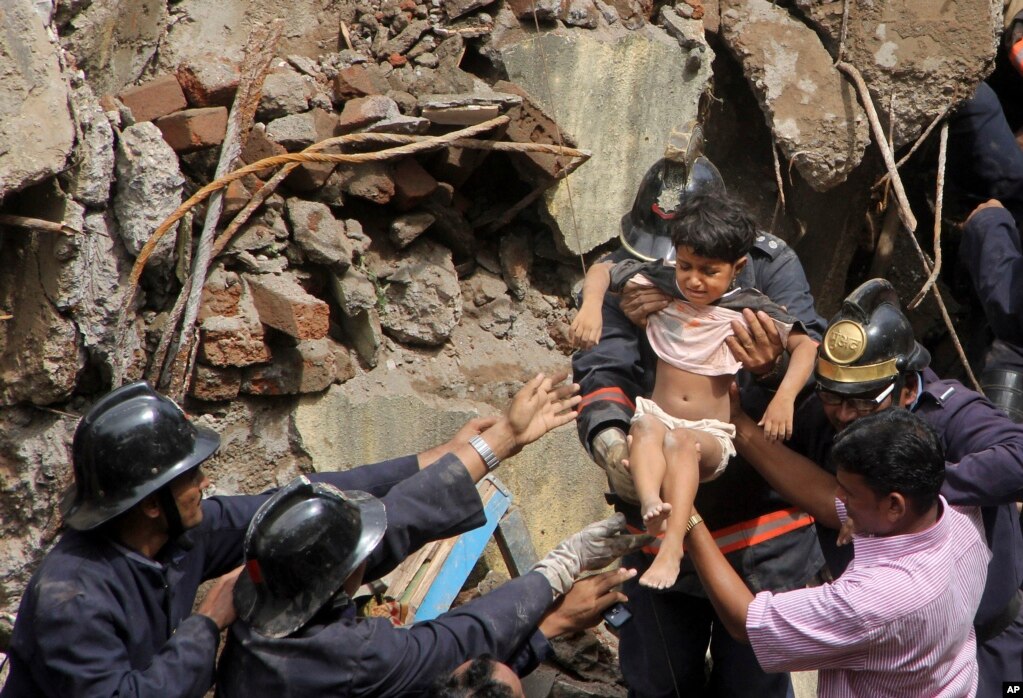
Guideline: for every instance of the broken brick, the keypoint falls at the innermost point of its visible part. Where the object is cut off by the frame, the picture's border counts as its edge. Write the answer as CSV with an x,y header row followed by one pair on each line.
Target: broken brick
x,y
358,81
362,111
412,184
193,129
259,147
215,383
227,341
308,367
236,195
209,80
220,294
283,304
530,124
151,100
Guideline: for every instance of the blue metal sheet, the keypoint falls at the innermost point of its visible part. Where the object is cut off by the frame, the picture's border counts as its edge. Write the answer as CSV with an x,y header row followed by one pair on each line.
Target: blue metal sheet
x,y
462,559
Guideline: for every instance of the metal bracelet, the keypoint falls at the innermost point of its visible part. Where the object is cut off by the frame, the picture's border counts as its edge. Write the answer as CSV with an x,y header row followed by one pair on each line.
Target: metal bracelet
x,y
482,448
694,521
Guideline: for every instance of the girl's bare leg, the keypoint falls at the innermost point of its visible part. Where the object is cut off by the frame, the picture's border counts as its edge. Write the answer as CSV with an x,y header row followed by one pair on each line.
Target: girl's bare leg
x,y
646,461
692,452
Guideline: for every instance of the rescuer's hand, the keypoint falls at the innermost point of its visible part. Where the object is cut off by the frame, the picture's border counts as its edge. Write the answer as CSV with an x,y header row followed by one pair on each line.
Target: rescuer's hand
x,y
582,607
757,347
637,302
592,548
219,601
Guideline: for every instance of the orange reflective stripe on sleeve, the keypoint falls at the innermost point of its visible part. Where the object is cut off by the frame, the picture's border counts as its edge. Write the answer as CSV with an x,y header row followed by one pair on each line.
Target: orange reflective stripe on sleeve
x,y
610,394
749,533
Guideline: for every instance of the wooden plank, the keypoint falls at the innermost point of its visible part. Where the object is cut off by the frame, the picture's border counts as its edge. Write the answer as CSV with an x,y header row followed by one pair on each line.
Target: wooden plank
x,y
463,556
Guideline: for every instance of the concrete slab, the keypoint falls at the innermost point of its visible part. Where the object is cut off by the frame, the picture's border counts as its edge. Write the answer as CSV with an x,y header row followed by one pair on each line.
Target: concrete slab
x,y
619,96
36,132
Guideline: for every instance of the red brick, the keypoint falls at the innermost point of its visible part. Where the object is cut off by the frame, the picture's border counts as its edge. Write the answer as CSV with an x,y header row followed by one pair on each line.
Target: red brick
x,y
530,124
364,111
283,304
227,341
220,295
215,384
259,147
309,176
193,129
108,102
397,60
412,184
236,195
308,367
209,80
358,81
156,98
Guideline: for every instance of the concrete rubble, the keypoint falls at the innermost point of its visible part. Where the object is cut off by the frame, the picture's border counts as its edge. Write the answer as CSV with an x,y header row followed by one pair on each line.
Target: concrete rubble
x,y
815,118
918,58
414,291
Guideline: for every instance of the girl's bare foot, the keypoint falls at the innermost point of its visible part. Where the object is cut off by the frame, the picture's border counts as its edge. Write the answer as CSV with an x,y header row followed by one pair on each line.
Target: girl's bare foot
x,y
655,513
663,571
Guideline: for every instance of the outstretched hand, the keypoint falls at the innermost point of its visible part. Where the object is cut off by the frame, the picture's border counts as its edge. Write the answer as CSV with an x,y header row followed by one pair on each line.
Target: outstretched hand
x,y
540,406
582,607
594,547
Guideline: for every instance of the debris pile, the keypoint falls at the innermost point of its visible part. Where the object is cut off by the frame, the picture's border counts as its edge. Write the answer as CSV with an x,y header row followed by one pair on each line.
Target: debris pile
x,y
440,275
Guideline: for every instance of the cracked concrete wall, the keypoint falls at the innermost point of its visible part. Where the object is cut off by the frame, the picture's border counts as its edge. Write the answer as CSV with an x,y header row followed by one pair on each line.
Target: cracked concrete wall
x,y
619,96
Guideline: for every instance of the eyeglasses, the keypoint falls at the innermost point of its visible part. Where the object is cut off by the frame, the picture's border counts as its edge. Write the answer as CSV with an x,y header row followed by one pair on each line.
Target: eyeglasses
x,y
861,405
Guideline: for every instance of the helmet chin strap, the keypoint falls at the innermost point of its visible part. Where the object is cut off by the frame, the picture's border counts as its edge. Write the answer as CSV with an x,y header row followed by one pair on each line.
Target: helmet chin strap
x,y
175,528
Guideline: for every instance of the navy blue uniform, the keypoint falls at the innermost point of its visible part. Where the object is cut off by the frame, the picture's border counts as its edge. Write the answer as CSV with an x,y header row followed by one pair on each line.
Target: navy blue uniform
x,y
984,159
337,654
770,544
984,454
99,620
990,251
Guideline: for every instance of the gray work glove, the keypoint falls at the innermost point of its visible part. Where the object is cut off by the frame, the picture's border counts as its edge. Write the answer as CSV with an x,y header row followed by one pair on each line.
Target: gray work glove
x,y
592,548
610,447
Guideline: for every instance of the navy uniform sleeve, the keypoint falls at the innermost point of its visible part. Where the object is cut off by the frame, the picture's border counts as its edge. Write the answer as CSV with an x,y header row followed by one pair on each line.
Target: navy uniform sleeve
x,y
990,251
983,447
79,632
437,502
398,661
613,372
376,478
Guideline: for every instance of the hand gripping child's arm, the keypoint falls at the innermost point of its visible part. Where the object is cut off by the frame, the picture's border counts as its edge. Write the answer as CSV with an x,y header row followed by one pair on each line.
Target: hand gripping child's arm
x,y
777,420
588,323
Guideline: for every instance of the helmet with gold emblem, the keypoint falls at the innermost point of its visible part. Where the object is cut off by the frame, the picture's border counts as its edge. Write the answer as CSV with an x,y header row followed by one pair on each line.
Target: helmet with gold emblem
x,y
869,343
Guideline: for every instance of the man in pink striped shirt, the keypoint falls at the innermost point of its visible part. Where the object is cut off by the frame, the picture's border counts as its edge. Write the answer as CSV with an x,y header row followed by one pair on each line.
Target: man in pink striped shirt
x,y
899,621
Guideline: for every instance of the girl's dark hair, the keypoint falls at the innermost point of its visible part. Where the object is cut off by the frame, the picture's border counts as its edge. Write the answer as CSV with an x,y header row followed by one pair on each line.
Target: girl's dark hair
x,y
715,225
894,451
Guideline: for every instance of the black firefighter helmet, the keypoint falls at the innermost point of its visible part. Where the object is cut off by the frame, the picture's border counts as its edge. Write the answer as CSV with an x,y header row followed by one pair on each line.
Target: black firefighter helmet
x,y
869,344
300,547
131,443
684,171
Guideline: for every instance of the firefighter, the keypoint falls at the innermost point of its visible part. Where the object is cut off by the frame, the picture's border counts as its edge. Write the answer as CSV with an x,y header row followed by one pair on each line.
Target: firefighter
x,y
311,546
770,544
869,361
109,611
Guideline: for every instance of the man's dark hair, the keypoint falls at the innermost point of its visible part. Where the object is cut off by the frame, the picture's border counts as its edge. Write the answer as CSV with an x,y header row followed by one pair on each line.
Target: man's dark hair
x,y
715,225
894,451
477,681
